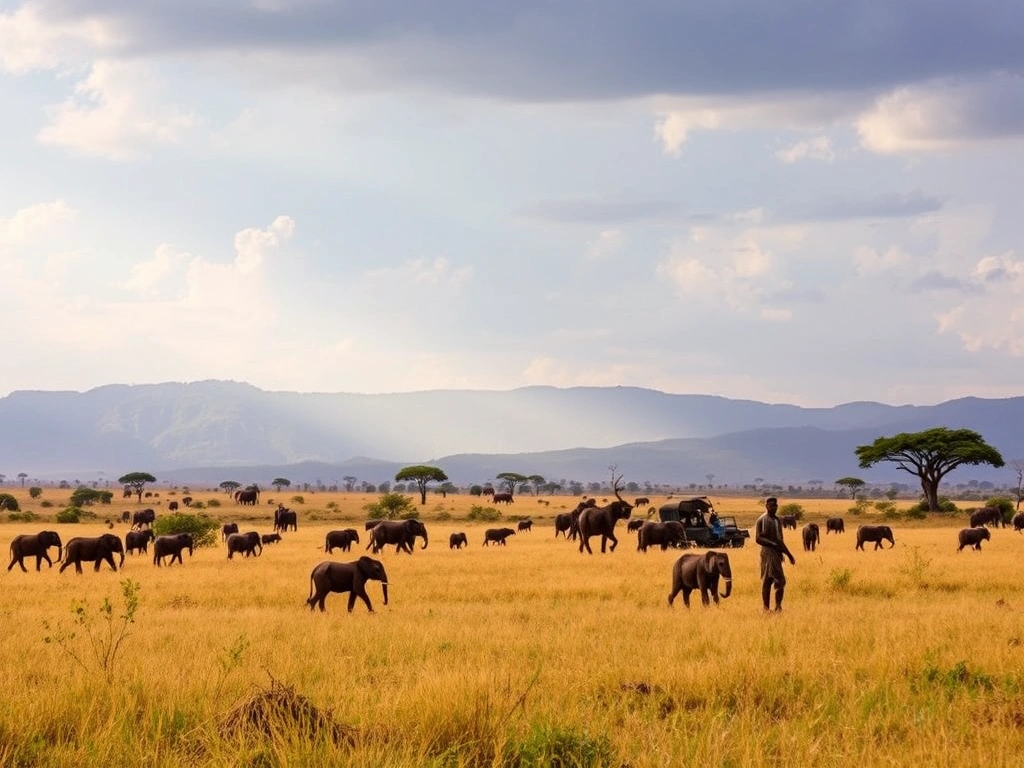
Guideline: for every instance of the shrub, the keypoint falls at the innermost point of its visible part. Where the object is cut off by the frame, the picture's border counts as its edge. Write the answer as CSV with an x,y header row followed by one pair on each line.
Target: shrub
x,y
839,579
46,503
69,515
83,496
298,499
391,506
887,509
483,514
553,745
212,503
792,509
945,505
204,529
8,502
859,507
35,492
23,517
198,505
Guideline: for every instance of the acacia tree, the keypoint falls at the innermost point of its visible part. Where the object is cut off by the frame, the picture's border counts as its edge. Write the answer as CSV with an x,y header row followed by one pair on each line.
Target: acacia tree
x,y
538,483
229,486
280,482
22,476
136,481
511,480
853,484
1017,465
930,455
421,475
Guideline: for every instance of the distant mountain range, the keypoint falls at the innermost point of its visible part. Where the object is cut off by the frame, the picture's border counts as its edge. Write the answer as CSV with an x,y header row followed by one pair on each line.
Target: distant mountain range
x,y
210,431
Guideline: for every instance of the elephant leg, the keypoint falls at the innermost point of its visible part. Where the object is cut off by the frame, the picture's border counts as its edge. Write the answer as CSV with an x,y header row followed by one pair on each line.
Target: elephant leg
x,y
20,560
615,542
359,590
686,596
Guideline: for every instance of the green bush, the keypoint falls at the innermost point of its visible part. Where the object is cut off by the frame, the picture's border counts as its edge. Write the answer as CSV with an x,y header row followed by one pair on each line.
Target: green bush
x,y
204,529
792,509
35,492
859,507
560,747
46,503
212,503
69,515
83,496
392,506
298,499
887,509
483,514
23,517
8,502
945,505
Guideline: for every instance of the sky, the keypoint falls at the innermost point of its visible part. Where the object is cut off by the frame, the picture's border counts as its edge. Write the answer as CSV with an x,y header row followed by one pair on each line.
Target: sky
x,y
797,201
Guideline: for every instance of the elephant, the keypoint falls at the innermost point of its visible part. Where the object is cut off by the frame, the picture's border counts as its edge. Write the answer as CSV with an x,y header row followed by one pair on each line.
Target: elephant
x,y
641,501
227,530
371,524
186,500
126,516
285,519
563,524
172,544
270,538
138,541
811,536
245,542
351,577
34,545
972,537
502,498
634,525
497,535
835,525
986,516
875,533
525,525
600,521
95,549
172,506
1018,522
401,533
247,497
701,572
458,540
143,517
664,535
343,539
788,521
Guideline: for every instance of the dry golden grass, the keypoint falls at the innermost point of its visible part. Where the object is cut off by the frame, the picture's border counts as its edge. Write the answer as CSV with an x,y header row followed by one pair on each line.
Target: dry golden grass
x,y
530,654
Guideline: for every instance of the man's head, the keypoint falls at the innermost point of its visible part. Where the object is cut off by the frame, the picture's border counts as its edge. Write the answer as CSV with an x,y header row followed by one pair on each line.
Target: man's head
x,y
771,504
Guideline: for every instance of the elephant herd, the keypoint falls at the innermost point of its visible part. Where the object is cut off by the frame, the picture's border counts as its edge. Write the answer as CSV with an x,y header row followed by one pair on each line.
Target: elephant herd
x,y
96,549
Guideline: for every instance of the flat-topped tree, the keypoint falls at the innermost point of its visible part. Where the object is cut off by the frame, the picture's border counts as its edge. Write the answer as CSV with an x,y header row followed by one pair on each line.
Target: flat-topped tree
x,y
421,475
853,484
511,480
930,455
229,486
280,482
136,481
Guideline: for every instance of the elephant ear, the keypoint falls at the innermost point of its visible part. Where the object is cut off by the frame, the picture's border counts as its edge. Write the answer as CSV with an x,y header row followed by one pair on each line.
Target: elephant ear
x,y
365,565
711,561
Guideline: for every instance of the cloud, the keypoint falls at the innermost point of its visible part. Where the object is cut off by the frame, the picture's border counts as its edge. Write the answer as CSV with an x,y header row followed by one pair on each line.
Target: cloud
x,y
146,276
422,272
603,210
997,322
36,223
934,280
115,115
816,148
945,113
607,244
870,261
893,205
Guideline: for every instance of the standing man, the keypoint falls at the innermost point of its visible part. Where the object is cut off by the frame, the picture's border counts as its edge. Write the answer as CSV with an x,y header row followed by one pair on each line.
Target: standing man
x,y
768,534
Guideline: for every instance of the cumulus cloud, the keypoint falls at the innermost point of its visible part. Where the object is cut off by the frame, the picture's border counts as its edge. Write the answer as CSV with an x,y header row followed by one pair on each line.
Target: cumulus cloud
x,y
34,223
115,115
816,148
606,244
997,322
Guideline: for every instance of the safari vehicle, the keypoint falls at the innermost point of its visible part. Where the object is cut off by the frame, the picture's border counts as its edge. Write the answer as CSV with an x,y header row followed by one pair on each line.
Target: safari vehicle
x,y
697,515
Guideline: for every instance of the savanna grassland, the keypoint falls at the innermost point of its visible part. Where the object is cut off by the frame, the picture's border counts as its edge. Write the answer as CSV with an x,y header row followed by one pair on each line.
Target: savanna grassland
x,y
527,655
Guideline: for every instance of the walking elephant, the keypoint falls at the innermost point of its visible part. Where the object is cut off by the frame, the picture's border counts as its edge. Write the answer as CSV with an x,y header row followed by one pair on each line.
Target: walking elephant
x,y
458,540
342,539
171,546
227,529
270,538
600,521
285,519
96,549
788,521
875,533
1018,522
563,523
972,537
245,543
664,535
34,545
634,525
525,525
138,541
497,535
143,517
835,525
401,533
811,536
247,497
986,516
701,572
172,506
351,577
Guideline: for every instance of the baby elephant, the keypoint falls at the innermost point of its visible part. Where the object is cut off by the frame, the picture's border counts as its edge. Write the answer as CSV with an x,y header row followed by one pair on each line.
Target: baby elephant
x,y
457,540
497,535
972,537
346,577
701,572
811,535
270,538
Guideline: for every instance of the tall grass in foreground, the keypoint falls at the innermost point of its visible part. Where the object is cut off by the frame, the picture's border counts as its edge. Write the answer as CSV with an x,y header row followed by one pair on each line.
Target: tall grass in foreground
x,y
525,655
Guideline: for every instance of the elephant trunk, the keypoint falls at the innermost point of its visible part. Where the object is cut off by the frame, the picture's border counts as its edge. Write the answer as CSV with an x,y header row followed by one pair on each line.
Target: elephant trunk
x,y
728,588
384,589
424,539
121,564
